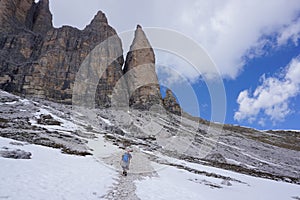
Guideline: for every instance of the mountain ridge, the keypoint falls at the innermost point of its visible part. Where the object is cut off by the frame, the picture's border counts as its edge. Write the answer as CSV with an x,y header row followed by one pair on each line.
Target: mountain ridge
x,y
42,63
65,127
37,59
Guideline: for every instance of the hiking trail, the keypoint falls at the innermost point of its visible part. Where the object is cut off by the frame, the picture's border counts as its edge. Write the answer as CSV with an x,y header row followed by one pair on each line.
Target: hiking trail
x,y
124,186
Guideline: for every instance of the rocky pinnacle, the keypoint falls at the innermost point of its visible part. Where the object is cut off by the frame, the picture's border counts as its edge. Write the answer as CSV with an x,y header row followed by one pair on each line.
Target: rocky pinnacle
x,y
170,103
37,59
143,86
69,65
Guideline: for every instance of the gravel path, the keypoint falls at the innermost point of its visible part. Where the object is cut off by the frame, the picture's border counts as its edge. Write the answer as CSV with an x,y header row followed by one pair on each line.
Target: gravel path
x,y
140,167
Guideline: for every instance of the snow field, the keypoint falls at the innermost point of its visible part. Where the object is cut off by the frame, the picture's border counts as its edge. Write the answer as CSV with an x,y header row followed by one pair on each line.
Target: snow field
x,y
52,175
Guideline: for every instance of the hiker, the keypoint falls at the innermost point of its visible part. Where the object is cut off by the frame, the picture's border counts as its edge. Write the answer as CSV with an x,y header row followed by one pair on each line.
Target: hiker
x,y
126,157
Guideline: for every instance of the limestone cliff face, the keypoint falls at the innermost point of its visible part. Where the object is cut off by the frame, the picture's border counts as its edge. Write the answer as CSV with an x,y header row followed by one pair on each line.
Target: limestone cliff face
x,y
24,15
41,17
143,87
69,65
39,60
13,14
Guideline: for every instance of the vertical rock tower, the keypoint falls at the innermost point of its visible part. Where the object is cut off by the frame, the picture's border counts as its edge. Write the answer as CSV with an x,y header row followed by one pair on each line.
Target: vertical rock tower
x,y
170,103
37,59
68,65
139,70
42,17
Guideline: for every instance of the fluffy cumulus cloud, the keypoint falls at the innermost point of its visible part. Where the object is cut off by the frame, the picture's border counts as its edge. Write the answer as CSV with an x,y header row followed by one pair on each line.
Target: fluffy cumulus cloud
x,y
271,100
232,31
290,32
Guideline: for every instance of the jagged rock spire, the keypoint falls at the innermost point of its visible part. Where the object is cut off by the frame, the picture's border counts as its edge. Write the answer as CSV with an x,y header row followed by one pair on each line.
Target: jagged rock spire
x,y
109,58
99,18
98,21
144,90
140,52
171,104
49,59
19,15
42,19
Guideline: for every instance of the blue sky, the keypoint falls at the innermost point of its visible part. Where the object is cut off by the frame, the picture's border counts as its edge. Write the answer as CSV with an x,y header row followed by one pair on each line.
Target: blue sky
x,y
254,45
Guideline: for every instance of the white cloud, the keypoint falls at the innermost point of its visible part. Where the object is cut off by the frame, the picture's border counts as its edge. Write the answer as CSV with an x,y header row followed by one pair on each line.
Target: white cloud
x,y
232,31
291,32
271,99
175,70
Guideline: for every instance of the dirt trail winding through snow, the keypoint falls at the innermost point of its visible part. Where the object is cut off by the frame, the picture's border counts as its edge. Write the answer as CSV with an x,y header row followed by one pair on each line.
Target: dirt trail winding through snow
x,y
140,168
124,188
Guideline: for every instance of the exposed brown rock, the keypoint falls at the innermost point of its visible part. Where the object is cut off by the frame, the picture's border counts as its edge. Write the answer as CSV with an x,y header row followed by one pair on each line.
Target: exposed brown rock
x,y
98,20
68,65
170,103
140,73
42,17
25,15
43,61
13,14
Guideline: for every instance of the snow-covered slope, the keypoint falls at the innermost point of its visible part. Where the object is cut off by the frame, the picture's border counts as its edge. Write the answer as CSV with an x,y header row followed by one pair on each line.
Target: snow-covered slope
x,y
54,151
52,175
49,174
173,183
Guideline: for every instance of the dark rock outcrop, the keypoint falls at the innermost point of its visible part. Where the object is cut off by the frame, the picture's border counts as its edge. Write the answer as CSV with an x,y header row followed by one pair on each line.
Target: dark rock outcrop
x,y
216,157
42,17
39,60
15,154
144,90
170,103
48,120
25,16
68,65
14,15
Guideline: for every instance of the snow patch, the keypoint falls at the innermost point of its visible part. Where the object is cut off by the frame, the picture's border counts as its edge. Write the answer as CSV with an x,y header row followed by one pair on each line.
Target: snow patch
x,y
106,121
65,126
52,175
10,103
173,183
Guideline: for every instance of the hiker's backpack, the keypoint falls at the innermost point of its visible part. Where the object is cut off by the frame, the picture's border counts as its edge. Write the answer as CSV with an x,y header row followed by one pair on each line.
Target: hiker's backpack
x,y
125,157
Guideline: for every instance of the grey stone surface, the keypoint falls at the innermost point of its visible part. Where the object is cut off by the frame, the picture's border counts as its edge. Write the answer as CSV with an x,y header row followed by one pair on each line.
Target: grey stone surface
x,y
37,59
15,154
144,90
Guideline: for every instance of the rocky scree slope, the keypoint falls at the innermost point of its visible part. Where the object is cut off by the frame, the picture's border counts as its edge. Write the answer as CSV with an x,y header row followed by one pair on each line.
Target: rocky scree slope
x,y
42,62
69,128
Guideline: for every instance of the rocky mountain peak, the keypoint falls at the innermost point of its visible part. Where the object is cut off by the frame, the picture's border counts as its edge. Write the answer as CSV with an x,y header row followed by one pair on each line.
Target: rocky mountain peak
x,y
42,17
140,47
98,21
39,60
143,86
170,103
